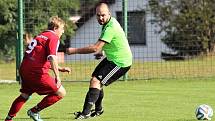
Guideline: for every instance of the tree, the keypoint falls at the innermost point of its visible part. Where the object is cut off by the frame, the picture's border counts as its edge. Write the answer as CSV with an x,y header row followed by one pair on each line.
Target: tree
x,y
188,25
8,36
36,14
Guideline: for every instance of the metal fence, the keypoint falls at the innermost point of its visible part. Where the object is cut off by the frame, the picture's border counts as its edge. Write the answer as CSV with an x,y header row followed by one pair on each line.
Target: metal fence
x,y
152,58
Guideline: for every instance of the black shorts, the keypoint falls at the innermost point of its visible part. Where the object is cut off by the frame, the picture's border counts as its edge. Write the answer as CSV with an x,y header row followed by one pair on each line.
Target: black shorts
x,y
108,72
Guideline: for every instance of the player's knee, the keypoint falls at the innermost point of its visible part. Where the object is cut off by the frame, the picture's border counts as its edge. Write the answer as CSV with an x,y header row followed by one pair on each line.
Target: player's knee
x,y
61,92
95,83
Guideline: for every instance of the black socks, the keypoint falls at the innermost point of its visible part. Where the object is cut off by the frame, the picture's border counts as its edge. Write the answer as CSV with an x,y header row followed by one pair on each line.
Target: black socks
x,y
90,99
98,104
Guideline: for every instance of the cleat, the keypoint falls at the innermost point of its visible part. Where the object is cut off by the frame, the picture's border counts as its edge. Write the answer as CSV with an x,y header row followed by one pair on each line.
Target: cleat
x,y
77,113
8,118
34,116
95,113
80,116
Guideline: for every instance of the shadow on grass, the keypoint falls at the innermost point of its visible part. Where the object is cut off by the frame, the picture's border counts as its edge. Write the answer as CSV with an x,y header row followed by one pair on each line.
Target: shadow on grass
x,y
186,120
25,119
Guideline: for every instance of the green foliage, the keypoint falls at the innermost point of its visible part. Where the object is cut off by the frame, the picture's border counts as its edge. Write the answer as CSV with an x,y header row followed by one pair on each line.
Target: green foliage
x,y
37,12
8,16
189,25
36,15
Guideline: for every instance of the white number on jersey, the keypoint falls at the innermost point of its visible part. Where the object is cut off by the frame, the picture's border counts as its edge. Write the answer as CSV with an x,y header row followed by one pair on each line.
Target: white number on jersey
x,y
31,46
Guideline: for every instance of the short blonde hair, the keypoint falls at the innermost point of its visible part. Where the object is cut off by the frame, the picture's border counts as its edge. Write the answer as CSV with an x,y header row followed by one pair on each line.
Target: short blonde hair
x,y
55,22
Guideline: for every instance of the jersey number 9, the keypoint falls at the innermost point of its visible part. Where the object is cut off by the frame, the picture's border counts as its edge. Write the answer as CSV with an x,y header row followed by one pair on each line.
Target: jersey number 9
x,y
31,46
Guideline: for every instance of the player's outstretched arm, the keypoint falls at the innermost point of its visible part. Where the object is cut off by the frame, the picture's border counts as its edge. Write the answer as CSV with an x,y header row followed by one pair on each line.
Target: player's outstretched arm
x,y
86,50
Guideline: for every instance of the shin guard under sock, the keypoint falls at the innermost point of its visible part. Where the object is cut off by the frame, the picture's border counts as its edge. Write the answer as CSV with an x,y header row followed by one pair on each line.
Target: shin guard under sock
x,y
46,102
98,104
90,99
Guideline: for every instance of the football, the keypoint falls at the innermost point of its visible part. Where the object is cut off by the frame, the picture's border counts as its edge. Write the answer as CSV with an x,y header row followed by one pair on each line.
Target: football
x,y
204,112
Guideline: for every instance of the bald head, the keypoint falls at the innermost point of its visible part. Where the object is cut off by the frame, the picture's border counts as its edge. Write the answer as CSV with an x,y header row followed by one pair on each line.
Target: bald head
x,y
102,13
102,5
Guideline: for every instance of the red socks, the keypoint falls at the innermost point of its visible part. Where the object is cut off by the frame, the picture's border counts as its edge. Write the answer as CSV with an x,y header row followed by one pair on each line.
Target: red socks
x,y
46,102
16,106
20,101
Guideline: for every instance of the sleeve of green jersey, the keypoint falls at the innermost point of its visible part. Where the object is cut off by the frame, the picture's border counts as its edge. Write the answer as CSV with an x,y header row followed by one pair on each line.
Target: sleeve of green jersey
x,y
107,34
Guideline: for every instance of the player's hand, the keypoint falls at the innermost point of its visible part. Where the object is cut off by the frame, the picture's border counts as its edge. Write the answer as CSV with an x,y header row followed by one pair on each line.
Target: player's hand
x,y
70,51
98,55
66,69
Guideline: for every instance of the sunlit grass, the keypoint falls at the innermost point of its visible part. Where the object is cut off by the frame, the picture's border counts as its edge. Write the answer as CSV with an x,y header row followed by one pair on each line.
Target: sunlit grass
x,y
141,100
81,70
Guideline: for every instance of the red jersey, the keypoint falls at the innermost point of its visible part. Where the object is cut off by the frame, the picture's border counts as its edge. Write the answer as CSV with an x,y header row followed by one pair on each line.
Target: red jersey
x,y
35,58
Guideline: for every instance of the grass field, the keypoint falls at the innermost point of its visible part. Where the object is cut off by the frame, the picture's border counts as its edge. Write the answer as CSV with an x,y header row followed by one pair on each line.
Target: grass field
x,y
197,67
142,100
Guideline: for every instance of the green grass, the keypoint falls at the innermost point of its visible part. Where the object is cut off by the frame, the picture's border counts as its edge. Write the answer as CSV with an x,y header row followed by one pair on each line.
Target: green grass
x,y
142,100
81,70
7,71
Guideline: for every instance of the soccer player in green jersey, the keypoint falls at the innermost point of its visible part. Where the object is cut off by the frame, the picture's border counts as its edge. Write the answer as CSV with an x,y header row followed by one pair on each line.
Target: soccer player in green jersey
x,y
118,60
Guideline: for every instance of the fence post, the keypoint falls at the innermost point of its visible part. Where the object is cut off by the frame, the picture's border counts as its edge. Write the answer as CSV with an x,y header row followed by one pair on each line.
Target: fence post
x,y
125,23
19,43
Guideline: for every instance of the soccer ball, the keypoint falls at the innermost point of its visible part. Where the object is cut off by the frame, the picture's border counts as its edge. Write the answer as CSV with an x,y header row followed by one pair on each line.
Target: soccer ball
x,y
204,112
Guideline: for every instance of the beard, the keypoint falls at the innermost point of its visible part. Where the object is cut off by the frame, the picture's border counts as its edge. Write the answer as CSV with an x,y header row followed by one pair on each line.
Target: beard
x,y
100,22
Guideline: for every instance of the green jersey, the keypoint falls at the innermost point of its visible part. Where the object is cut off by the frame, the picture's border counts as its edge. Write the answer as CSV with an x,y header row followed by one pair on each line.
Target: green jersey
x,y
116,47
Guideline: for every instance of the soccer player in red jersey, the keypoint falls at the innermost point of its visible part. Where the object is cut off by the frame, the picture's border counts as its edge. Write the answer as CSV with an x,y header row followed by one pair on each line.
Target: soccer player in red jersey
x,y
40,56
